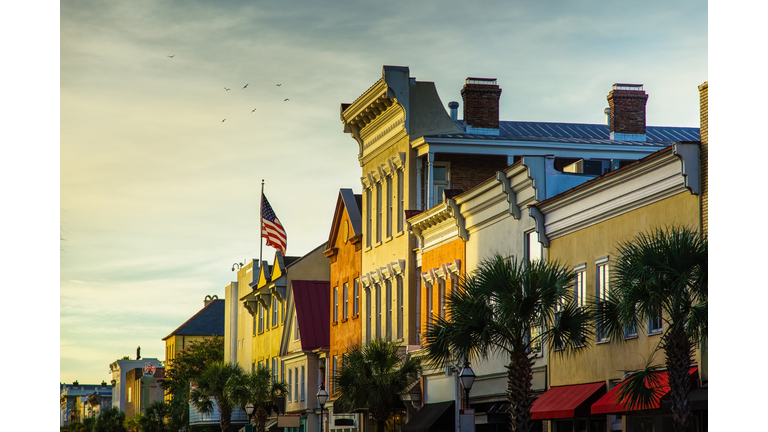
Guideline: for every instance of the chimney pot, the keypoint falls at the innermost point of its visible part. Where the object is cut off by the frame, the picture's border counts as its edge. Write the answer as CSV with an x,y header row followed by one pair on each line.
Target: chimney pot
x,y
454,107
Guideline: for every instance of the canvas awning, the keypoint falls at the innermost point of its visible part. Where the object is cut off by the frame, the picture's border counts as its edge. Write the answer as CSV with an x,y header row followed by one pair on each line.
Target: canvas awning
x,y
610,403
567,401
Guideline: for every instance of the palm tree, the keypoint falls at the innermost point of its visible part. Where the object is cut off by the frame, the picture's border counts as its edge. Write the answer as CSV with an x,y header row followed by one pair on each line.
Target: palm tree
x,y
373,377
661,274
509,307
258,388
110,420
156,414
211,385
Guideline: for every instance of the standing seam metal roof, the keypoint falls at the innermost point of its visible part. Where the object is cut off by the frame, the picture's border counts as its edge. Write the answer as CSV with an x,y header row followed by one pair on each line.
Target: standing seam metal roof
x,y
209,321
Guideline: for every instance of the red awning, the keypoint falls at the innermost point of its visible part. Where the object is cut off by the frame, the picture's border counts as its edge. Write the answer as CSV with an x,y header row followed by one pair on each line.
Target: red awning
x,y
567,401
610,404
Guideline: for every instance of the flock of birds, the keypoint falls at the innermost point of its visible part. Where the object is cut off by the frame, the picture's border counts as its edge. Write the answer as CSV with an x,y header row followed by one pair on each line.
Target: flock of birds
x,y
246,85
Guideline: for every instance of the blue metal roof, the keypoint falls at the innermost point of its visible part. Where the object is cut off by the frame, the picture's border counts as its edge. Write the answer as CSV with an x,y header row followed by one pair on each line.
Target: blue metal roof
x,y
657,136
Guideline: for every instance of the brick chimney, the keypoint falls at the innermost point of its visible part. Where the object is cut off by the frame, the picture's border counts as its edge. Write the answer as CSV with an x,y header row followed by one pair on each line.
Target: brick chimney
x,y
627,109
481,105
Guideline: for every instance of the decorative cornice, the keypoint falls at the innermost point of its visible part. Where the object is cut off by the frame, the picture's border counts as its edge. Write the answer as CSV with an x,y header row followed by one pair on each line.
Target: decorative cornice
x,y
538,219
514,210
427,277
385,272
460,223
366,280
454,267
398,267
439,272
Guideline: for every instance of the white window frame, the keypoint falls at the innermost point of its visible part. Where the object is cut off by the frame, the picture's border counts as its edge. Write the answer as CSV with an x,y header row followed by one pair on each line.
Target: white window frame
x,y
401,200
400,307
275,311
531,242
303,391
345,301
580,284
379,212
390,205
602,289
369,217
446,184
356,297
368,314
335,304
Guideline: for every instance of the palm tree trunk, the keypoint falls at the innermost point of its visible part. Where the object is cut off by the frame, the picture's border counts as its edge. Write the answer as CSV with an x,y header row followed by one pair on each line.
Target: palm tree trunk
x,y
519,394
679,351
261,418
381,425
226,418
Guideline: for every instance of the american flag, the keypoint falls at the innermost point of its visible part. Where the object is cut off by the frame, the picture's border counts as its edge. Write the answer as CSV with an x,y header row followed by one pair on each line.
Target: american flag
x,y
271,229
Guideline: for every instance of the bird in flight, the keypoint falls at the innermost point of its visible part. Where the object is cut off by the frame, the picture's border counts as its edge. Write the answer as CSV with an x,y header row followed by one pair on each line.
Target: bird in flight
x,y
253,110
245,86
286,100
224,120
226,89
172,56
278,85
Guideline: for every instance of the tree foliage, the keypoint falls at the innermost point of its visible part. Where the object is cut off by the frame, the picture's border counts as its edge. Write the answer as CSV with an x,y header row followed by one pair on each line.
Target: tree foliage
x,y
110,420
212,385
187,366
372,377
510,307
259,388
661,273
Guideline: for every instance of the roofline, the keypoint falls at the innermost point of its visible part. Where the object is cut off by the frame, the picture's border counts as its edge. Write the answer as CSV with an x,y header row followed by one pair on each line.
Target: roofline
x,y
322,245
191,318
609,174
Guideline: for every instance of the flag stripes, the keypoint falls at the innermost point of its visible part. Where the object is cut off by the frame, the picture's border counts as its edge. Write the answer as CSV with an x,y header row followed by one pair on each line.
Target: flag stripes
x,y
271,228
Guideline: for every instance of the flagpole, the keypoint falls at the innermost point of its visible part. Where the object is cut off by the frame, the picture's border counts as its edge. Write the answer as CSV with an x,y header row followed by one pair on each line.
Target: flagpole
x,y
261,221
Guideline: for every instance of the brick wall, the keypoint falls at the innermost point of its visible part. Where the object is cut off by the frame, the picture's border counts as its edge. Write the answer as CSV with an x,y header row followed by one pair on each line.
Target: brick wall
x,y
481,105
627,111
704,152
468,170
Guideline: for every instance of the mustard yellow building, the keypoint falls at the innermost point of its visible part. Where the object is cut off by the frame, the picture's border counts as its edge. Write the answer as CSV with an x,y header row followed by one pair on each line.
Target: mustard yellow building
x,y
582,228
205,324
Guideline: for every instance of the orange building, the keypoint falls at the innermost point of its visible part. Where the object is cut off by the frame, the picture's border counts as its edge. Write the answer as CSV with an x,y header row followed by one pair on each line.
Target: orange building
x,y
344,251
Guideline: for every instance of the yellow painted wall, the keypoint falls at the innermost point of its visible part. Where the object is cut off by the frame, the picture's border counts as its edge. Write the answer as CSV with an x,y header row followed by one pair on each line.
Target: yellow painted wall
x,y
608,361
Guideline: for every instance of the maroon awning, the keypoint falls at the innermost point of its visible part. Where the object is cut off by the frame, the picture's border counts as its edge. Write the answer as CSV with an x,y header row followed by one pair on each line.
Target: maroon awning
x,y
567,401
610,403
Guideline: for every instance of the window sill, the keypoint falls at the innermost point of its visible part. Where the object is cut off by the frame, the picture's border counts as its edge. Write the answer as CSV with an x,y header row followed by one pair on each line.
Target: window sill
x,y
335,323
655,332
388,239
399,233
604,341
378,243
627,337
354,317
344,320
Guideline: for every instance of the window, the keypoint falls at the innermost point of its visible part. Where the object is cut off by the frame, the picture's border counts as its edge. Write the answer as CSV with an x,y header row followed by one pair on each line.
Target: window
x,y
418,305
378,311
558,310
378,212
368,313
368,233
295,327
345,296
356,297
274,368
430,312
303,391
441,297
261,317
390,199
296,384
388,298
335,304
580,285
282,370
334,371
440,180
535,341
266,317
654,324
255,318
129,394
401,206
400,306
290,381
533,247
630,330
275,311
601,287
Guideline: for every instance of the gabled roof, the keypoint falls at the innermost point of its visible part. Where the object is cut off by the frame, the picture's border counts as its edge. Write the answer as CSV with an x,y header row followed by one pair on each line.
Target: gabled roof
x,y
312,300
353,205
209,321
577,133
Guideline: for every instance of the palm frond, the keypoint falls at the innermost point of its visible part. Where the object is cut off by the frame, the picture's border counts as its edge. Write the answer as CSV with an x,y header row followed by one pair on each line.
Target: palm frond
x,y
643,389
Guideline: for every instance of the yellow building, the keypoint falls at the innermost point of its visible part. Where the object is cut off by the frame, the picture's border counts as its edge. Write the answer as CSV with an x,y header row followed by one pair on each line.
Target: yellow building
x,y
582,228
205,324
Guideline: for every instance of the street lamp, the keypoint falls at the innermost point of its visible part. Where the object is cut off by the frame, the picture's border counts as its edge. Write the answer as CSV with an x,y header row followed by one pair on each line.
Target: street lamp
x,y
467,378
249,411
322,398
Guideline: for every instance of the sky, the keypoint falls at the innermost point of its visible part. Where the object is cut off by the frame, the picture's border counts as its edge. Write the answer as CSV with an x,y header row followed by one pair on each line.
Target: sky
x,y
154,197
161,165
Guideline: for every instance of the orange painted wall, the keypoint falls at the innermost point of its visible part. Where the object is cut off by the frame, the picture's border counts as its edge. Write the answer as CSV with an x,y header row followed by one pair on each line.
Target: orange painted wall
x,y
346,264
435,258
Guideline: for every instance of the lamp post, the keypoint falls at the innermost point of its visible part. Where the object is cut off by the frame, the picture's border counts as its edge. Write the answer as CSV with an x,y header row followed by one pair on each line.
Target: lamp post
x,y
322,398
467,378
249,411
